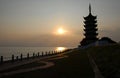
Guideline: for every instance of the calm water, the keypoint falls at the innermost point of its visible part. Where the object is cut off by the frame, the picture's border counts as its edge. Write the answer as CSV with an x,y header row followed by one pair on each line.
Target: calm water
x,y
7,52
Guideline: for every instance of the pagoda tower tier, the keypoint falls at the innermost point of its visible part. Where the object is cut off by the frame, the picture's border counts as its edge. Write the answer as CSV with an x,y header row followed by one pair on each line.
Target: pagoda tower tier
x,y
90,29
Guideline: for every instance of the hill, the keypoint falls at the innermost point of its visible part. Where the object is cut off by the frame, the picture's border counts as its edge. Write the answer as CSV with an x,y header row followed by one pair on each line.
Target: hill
x,y
107,59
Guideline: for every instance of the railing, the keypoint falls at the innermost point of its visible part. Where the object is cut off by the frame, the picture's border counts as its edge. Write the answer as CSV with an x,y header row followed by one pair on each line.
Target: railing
x,y
21,57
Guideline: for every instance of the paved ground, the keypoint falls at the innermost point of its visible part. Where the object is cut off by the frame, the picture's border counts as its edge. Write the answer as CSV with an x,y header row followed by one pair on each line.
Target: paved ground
x,y
44,60
47,63
95,68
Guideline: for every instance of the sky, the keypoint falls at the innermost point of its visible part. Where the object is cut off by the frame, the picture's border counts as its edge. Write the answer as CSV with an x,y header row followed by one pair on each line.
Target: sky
x,y
36,22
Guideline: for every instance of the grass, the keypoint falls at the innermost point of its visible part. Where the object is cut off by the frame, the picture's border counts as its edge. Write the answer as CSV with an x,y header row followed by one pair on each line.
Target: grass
x,y
75,66
107,59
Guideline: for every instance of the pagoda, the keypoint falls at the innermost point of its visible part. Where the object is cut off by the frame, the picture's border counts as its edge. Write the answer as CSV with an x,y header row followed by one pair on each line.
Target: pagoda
x,y
89,29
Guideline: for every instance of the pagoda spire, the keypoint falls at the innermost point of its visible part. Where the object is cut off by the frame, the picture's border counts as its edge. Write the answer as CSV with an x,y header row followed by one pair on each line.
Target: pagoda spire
x,y
89,8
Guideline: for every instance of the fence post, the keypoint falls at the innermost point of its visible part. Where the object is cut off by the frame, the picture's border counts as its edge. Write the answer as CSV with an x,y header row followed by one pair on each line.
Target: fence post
x,y
21,56
1,59
52,53
49,53
42,54
33,55
46,53
16,57
38,54
12,58
27,55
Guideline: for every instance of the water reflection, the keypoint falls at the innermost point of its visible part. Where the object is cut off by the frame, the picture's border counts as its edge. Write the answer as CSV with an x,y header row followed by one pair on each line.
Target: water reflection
x,y
61,48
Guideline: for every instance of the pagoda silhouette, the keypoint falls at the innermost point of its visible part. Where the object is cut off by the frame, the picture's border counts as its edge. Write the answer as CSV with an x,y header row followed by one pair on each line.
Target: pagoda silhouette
x,y
90,25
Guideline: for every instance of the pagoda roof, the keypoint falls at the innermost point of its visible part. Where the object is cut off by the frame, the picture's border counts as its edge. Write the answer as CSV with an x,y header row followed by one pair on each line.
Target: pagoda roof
x,y
90,16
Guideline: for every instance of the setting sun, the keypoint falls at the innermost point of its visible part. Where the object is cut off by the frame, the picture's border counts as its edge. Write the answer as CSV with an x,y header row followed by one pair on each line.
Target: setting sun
x,y
61,31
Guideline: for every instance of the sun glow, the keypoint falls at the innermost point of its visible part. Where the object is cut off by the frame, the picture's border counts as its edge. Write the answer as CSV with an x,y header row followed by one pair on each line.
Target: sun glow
x,y
61,31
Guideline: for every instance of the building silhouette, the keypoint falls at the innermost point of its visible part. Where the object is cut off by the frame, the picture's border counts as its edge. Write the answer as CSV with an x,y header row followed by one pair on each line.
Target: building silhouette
x,y
90,29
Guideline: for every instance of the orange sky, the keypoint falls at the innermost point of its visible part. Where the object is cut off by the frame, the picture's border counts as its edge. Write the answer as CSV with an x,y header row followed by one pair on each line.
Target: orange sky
x,y
32,22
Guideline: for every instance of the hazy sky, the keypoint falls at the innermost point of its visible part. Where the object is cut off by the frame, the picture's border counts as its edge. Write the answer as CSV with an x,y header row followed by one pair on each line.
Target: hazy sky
x,y
33,22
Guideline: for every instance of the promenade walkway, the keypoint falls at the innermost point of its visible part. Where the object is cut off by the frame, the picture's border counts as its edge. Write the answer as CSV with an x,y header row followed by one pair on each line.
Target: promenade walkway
x,y
72,64
42,60
95,67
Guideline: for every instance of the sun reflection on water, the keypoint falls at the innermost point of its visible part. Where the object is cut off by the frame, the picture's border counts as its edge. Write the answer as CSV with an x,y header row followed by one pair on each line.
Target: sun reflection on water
x,y
60,48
